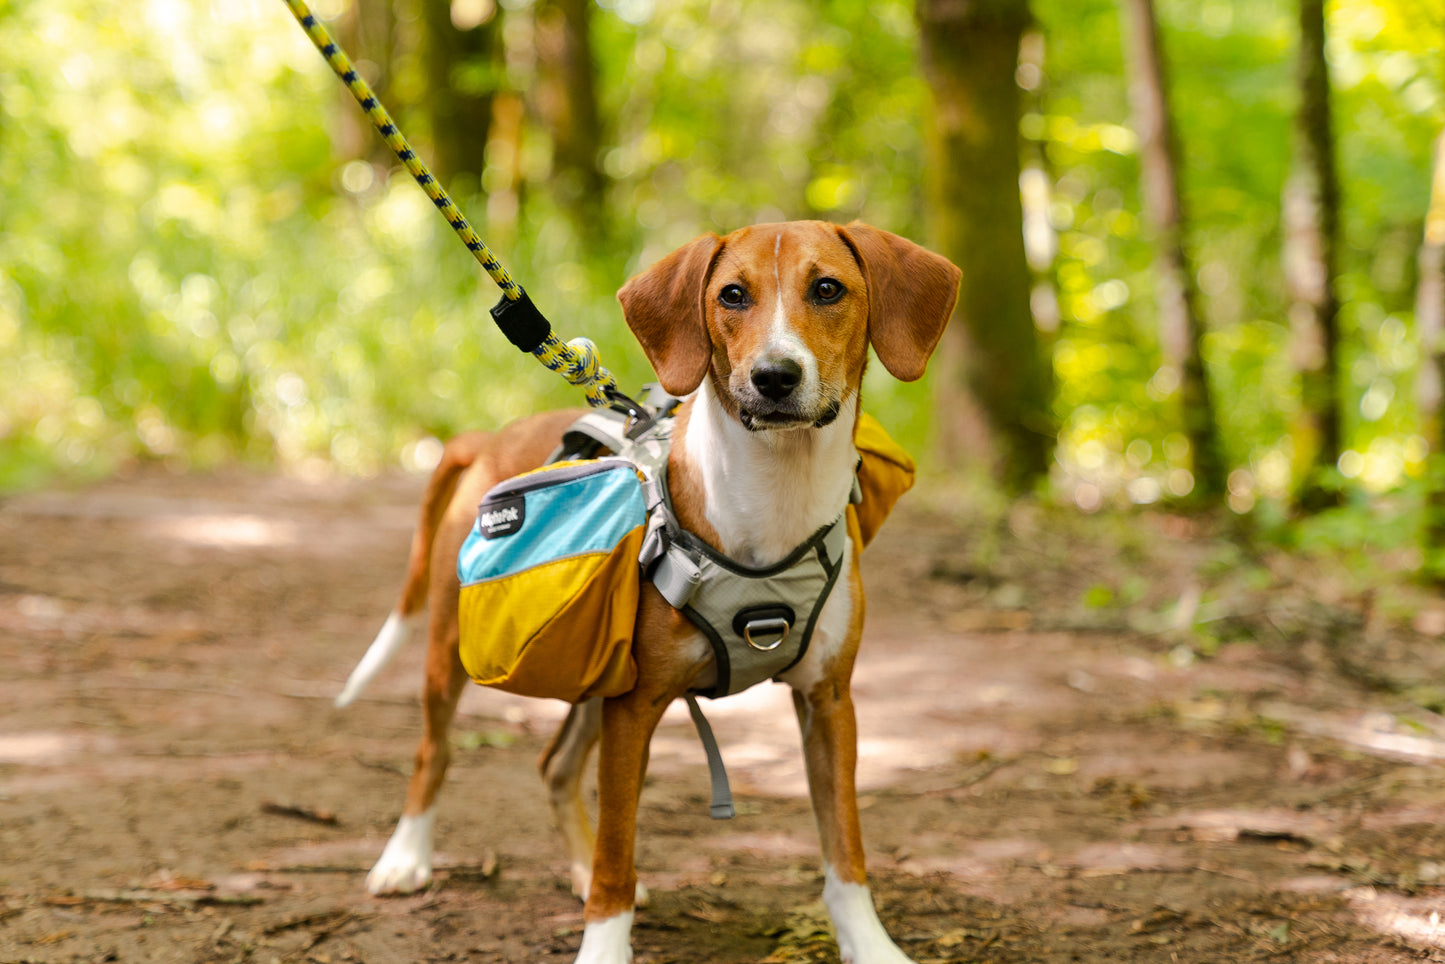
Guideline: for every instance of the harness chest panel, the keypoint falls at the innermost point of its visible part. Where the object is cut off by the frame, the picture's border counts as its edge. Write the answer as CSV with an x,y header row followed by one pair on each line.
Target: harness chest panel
x,y
759,621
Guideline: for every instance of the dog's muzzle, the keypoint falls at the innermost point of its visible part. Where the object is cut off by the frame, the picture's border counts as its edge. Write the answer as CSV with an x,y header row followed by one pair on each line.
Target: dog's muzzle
x,y
776,378
776,396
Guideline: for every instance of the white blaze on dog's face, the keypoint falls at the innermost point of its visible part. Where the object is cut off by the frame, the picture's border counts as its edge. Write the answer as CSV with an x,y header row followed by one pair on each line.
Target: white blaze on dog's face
x,y
780,316
787,317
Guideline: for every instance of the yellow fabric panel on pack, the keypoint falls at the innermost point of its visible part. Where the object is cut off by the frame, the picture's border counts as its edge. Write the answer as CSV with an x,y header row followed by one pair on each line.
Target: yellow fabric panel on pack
x,y
550,582
561,630
885,472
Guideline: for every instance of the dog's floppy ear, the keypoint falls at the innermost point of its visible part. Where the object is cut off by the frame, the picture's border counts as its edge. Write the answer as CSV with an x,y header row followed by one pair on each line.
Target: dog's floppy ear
x,y
911,292
664,308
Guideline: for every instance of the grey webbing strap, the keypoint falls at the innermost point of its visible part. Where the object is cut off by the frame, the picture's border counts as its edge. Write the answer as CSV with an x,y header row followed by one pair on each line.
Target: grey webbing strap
x,y
722,794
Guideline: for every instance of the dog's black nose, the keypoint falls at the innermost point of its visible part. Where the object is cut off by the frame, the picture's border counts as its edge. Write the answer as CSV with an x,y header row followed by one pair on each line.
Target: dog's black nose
x,y
776,378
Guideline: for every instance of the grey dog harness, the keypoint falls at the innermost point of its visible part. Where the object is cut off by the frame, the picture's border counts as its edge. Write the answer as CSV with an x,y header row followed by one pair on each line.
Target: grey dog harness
x,y
758,621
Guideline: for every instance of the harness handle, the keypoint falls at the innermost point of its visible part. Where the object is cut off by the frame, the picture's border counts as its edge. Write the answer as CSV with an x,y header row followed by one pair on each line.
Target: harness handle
x,y
519,319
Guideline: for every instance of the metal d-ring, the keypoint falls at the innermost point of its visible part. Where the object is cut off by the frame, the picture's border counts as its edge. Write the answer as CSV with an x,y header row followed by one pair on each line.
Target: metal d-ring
x,y
775,625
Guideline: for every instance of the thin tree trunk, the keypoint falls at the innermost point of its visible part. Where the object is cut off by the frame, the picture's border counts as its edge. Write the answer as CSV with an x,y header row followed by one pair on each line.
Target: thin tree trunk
x,y
1041,242
569,106
1180,329
992,383
505,184
463,64
1430,384
1311,221
367,29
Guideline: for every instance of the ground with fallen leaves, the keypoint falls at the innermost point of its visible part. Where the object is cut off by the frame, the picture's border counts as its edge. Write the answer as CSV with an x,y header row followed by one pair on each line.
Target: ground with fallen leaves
x,y
1082,740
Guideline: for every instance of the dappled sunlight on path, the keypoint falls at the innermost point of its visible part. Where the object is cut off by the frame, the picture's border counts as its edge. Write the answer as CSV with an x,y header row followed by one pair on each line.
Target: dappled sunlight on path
x,y
1028,792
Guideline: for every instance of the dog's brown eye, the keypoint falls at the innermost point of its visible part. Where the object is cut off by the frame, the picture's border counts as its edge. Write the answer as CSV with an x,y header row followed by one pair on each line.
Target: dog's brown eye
x,y
827,291
733,296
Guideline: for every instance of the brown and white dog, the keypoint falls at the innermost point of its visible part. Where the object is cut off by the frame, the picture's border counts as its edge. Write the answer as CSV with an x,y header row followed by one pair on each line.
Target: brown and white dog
x,y
767,332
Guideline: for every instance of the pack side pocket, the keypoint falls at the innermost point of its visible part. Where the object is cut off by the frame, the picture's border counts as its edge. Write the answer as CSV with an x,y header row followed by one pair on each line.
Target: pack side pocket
x,y
560,630
885,472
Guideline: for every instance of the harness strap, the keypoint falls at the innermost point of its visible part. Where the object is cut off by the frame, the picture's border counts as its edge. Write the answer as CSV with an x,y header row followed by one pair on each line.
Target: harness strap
x,y
722,794
759,622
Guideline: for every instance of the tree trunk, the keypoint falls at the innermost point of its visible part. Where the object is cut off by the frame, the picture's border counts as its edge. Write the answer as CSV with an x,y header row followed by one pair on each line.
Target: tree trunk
x,y
992,382
463,64
1430,384
504,183
1180,330
367,30
569,107
1311,222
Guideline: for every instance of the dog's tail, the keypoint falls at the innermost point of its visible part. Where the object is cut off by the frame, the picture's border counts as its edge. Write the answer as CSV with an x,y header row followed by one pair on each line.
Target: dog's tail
x,y
457,456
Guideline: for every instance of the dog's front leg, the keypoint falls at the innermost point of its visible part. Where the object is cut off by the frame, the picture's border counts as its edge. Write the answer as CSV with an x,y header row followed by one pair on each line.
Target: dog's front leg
x,y
830,745
627,725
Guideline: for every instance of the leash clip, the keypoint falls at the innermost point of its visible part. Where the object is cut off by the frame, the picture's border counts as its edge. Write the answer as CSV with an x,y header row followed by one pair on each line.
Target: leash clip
x,y
642,415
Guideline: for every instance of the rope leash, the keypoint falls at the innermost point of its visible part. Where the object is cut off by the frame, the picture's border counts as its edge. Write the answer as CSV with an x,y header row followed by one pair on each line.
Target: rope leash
x,y
519,319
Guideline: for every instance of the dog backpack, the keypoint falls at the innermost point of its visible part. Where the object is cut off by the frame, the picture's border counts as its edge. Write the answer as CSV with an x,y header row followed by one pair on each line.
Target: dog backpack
x,y
552,569
550,581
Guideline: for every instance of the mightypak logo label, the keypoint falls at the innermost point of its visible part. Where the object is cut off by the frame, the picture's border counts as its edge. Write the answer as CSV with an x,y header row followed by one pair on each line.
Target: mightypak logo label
x,y
502,518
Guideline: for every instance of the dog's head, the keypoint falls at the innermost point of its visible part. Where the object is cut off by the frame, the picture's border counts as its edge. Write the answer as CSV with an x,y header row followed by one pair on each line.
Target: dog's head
x,y
780,316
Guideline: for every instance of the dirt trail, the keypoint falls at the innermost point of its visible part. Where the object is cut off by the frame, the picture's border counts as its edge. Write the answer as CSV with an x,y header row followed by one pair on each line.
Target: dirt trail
x,y
1040,781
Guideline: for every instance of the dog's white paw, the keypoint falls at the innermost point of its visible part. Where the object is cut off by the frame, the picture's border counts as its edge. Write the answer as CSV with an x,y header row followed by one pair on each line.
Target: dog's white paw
x,y
861,937
582,886
607,941
405,864
884,952
581,881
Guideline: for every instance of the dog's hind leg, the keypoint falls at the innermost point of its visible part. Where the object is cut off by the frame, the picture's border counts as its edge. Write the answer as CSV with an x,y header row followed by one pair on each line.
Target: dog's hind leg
x,y
562,765
405,863
470,465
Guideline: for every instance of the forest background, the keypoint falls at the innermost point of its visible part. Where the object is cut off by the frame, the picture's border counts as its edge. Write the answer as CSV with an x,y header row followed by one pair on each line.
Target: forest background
x,y
206,256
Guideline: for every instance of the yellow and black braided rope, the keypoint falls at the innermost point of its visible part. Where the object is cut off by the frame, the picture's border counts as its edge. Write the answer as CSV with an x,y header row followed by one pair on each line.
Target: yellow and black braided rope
x,y
575,360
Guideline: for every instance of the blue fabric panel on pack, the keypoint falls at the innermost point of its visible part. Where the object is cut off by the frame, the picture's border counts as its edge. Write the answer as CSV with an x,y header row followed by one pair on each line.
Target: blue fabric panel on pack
x,y
588,514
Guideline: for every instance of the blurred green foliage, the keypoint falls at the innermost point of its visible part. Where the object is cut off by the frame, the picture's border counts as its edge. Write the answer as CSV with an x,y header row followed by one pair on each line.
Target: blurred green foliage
x,y
1232,74
190,272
